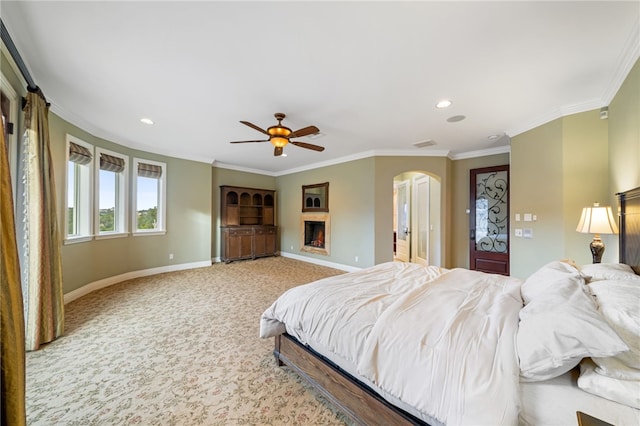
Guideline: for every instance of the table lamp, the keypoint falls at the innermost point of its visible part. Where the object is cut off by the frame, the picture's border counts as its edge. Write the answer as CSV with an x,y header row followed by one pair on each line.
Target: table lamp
x,y
597,220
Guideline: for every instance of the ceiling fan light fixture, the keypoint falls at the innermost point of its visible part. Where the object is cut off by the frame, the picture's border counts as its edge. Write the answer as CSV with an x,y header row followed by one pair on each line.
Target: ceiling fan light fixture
x,y
279,141
279,131
280,136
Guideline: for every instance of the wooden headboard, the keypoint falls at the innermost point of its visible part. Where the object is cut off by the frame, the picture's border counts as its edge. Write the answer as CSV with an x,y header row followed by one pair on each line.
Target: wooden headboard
x,y
629,208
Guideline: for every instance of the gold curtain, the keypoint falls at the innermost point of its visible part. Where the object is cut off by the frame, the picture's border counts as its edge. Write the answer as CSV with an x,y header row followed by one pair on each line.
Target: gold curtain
x,y
42,269
12,349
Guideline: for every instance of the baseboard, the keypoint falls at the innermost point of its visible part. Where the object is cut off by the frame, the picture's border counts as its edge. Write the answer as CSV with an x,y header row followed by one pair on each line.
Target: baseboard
x,y
106,282
320,262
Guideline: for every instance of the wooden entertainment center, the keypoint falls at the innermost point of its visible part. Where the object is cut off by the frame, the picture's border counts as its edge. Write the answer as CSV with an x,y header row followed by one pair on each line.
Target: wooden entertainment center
x,y
247,223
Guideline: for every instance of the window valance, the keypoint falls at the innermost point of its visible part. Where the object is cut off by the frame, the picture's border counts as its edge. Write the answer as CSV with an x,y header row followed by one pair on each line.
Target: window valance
x,y
149,170
79,154
111,163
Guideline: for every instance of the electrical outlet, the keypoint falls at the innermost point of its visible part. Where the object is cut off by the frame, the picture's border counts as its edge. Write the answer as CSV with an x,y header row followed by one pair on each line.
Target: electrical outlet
x,y
170,256
356,258
291,248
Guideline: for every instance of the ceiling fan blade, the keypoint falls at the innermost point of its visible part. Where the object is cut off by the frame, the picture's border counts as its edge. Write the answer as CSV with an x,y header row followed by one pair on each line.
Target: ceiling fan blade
x,y
253,126
308,146
277,151
266,140
310,130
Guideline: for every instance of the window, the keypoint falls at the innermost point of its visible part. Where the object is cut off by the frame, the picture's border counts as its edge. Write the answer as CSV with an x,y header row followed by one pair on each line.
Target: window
x,y
79,192
111,190
149,189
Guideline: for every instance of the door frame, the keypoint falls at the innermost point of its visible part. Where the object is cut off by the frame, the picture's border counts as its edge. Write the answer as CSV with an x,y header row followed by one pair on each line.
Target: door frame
x,y
403,246
419,218
486,261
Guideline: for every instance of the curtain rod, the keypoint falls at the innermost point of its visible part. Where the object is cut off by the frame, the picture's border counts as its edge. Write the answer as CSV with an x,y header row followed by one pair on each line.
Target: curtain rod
x,y
6,39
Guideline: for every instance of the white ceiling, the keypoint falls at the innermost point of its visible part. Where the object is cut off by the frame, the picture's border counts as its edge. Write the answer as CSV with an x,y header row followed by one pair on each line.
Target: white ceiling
x,y
367,74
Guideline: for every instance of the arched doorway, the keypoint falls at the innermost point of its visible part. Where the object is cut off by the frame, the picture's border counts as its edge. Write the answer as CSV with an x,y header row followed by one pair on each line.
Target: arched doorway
x,y
416,218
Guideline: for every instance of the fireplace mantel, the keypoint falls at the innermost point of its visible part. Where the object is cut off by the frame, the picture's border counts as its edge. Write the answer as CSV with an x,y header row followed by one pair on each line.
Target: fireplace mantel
x,y
316,217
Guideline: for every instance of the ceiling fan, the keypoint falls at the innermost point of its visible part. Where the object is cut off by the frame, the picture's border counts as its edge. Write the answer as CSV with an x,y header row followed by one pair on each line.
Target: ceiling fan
x,y
280,135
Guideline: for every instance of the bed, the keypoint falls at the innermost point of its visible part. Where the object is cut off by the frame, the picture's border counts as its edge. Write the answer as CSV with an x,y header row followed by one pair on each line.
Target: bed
x,y
406,344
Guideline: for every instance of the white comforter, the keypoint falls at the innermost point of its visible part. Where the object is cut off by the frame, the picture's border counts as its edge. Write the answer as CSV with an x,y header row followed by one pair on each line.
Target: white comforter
x,y
440,341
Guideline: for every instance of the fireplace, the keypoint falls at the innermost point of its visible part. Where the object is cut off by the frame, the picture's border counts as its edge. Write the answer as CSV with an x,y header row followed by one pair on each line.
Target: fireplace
x,y
315,233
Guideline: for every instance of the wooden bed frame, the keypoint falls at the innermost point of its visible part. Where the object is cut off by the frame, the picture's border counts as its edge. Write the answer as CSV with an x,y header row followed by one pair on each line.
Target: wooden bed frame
x,y
629,208
363,405
356,400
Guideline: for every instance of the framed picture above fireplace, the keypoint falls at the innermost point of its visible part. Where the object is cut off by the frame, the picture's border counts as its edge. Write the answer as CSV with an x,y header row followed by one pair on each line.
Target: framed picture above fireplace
x,y
315,198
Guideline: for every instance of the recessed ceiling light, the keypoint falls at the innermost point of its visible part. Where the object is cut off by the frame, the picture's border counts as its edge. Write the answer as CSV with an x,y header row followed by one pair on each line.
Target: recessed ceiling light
x,y
146,121
456,118
493,137
445,103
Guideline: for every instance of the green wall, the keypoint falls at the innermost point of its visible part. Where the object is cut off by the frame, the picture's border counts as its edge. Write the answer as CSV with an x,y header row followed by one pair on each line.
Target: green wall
x,y
556,169
188,217
351,209
460,202
360,205
585,181
624,135
562,166
188,212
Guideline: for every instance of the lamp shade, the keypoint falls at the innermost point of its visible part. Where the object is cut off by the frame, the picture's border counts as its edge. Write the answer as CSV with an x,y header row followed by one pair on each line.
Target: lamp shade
x,y
278,141
597,220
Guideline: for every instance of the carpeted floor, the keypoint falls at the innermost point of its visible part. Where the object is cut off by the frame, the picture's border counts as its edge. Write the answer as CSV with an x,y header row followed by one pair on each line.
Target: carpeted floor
x,y
180,348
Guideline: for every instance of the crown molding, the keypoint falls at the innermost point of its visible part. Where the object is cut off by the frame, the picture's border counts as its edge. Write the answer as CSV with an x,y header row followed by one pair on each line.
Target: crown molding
x,y
112,138
628,57
482,153
237,168
369,154
12,64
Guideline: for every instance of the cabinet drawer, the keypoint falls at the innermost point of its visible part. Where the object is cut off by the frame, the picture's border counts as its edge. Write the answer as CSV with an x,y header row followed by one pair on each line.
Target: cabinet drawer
x,y
265,231
240,232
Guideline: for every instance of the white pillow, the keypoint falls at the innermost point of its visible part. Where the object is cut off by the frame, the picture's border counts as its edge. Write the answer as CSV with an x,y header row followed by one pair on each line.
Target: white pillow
x,y
619,304
608,271
544,280
625,392
560,324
